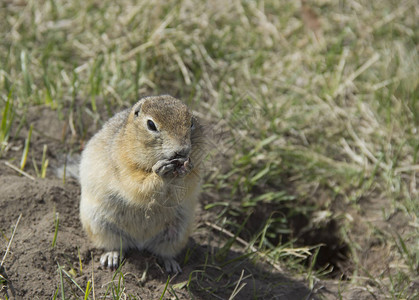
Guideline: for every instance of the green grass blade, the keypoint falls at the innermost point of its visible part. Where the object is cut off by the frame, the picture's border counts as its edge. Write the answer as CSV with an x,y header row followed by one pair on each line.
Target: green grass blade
x,y
88,290
60,271
165,287
57,222
26,149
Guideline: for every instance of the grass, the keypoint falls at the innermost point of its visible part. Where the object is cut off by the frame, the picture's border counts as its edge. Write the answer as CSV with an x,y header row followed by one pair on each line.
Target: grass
x,y
314,128
6,122
56,225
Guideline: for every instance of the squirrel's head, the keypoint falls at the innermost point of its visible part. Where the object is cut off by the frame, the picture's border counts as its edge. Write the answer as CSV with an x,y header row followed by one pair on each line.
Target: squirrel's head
x,y
161,127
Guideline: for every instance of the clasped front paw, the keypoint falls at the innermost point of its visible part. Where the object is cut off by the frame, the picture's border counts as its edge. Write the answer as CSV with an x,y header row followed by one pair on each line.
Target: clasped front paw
x,y
164,168
177,167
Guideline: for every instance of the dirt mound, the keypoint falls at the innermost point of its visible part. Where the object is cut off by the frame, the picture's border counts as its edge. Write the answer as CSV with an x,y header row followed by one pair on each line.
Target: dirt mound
x,y
33,267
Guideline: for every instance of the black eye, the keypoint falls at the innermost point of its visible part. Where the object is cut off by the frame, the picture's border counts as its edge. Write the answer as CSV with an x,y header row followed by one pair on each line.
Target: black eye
x,y
151,126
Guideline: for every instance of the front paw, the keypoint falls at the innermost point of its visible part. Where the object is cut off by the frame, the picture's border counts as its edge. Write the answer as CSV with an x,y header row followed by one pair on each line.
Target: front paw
x,y
184,167
178,167
165,168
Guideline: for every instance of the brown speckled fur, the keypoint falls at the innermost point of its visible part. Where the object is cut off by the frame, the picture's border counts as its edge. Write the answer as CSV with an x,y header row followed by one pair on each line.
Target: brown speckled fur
x,y
122,198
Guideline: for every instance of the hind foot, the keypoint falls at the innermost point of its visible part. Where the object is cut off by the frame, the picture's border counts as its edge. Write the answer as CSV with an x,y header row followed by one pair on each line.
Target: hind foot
x,y
110,259
172,266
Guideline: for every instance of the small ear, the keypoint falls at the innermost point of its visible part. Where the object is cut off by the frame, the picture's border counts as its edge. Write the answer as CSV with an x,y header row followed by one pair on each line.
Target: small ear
x,y
137,107
137,110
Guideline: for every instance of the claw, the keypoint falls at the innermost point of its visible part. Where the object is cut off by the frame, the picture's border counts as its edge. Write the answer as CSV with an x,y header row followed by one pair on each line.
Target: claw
x,y
183,167
172,266
110,259
164,167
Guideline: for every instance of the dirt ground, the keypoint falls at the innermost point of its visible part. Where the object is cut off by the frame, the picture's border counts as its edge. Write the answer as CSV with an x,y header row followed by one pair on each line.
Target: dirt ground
x,y
32,267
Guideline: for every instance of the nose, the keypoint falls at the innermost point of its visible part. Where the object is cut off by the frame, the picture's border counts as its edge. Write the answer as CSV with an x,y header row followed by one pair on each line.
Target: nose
x,y
182,152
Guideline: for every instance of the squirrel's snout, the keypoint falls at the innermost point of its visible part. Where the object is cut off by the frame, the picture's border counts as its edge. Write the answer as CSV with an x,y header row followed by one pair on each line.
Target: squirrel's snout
x,y
182,152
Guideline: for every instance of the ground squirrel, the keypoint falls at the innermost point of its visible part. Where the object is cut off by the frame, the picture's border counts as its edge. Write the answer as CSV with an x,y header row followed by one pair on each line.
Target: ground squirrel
x,y
140,179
